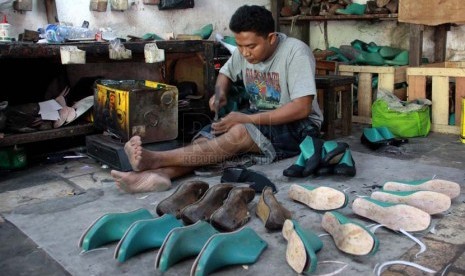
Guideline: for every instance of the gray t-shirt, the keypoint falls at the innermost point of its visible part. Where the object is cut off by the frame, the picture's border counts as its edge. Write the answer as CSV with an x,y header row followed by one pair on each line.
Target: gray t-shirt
x,y
287,75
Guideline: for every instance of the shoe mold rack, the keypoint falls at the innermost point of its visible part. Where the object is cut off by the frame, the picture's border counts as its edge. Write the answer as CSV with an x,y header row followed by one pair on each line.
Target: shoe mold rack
x,y
446,101
26,84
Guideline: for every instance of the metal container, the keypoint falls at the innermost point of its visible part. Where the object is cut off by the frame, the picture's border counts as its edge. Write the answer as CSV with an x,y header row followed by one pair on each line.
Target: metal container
x,y
136,107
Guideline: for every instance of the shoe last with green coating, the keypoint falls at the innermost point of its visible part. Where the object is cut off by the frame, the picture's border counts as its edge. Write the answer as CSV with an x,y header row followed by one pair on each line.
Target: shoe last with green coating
x,y
182,243
300,240
354,8
368,58
391,215
449,188
346,166
349,236
388,52
308,159
110,227
205,31
401,59
243,246
332,152
145,234
372,138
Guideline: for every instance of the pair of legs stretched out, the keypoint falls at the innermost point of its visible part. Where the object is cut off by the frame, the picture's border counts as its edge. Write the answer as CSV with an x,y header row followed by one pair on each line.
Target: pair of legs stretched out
x,y
154,170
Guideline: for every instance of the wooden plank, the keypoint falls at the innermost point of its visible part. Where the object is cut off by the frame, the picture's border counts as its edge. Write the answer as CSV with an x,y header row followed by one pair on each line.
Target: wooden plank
x,y
364,94
440,42
440,99
374,17
400,74
361,120
416,87
415,45
431,12
367,69
442,72
386,81
459,95
51,11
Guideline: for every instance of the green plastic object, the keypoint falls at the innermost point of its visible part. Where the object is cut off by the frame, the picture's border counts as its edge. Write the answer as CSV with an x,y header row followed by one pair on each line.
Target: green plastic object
x,y
182,243
374,59
402,124
145,234
354,8
110,227
312,245
204,32
243,246
400,59
389,52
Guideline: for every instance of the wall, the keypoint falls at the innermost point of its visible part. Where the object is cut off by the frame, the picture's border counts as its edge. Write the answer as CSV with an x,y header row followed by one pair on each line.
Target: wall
x,y
138,20
141,19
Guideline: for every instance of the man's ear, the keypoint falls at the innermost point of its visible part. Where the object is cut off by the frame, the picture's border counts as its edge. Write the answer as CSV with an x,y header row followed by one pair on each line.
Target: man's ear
x,y
272,38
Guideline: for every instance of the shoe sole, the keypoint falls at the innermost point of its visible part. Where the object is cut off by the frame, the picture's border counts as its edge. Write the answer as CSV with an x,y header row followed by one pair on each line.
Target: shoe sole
x,y
394,217
449,188
296,254
428,201
321,198
349,237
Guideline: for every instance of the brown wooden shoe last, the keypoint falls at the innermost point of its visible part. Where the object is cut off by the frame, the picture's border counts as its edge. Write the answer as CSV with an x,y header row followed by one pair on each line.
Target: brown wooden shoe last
x,y
186,193
205,206
270,211
234,213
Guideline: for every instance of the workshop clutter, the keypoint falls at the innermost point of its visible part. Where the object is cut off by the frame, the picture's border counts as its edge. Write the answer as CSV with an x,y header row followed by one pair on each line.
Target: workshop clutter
x,y
333,7
136,107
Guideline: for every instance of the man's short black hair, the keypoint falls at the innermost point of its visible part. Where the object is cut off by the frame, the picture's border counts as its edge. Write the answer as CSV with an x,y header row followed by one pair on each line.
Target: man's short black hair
x,y
252,18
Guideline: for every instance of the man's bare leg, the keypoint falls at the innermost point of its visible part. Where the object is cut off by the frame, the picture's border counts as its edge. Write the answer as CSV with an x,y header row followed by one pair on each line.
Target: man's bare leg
x,y
236,140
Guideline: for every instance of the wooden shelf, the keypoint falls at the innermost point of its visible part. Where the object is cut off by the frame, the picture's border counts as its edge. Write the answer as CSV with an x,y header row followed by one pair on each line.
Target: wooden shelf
x,y
68,131
339,17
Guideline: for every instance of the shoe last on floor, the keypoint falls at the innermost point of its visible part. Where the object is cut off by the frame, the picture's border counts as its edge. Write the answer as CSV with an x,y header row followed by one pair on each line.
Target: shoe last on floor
x,y
308,159
256,180
234,212
243,246
349,236
428,201
332,153
449,188
270,211
145,234
186,193
182,243
346,166
207,204
391,215
302,246
318,198
110,227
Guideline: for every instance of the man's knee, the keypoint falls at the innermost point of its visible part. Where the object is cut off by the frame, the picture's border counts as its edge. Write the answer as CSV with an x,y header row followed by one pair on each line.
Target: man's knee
x,y
239,132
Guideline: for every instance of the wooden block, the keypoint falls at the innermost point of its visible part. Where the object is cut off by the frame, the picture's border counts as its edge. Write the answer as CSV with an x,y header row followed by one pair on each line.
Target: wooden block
x,y
440,99
459,95
416,87
431,12
365,94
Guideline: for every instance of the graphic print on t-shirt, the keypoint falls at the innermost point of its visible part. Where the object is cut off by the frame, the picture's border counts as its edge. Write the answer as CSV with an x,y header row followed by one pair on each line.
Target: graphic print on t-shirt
x,y
263,88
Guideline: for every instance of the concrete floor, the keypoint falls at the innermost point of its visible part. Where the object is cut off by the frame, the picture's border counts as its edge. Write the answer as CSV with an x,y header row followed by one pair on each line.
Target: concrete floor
x,y
45,209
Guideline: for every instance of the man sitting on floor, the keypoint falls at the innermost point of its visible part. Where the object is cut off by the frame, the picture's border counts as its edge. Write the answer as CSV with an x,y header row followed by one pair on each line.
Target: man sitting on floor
x,y
278,73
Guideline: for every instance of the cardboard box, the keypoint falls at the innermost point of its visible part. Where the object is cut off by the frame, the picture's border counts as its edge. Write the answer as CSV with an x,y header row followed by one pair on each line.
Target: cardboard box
x,y
136,107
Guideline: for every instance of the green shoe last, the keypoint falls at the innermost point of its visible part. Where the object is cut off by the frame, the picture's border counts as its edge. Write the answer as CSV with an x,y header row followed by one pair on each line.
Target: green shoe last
x,y
110,227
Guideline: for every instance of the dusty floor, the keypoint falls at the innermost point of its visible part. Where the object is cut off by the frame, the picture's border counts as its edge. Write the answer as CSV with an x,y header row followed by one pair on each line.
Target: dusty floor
x,y
45,208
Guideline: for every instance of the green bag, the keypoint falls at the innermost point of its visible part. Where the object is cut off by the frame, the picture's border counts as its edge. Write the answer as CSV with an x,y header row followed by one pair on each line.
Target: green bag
x,y
401,122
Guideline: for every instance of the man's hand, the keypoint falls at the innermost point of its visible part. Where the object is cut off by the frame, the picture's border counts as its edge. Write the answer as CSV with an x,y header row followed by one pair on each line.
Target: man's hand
x,y
222,102
225,123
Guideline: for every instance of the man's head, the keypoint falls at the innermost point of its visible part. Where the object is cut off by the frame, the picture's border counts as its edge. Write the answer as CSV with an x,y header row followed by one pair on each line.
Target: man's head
x,y
253,28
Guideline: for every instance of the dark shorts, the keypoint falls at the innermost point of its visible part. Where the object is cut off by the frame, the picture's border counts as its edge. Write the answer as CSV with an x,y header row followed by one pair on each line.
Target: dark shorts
x,y
276,141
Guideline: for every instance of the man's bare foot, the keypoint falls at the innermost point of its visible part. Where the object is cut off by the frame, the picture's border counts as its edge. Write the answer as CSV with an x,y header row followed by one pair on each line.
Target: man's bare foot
x,y
140,182
139,158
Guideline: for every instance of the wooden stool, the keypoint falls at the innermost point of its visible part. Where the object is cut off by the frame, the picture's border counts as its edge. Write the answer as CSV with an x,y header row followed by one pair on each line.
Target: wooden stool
x,y
331,85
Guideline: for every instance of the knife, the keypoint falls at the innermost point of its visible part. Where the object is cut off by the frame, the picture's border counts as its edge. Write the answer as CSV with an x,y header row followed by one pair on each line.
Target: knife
x,y
217,104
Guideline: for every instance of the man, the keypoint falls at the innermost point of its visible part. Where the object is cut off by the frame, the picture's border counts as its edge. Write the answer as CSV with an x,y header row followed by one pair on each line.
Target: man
x,y
278,73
